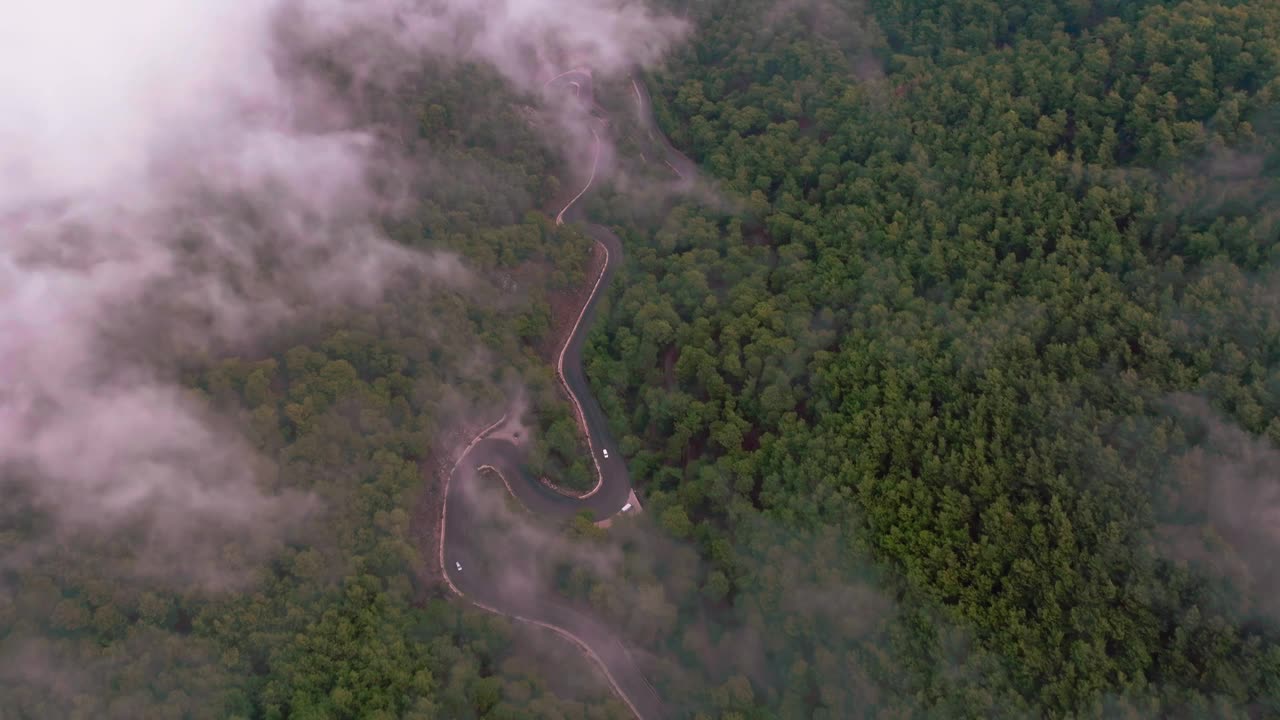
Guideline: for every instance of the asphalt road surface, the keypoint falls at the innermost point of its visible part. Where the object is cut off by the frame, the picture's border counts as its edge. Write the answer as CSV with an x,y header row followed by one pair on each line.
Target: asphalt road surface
x,y
464,515
679,164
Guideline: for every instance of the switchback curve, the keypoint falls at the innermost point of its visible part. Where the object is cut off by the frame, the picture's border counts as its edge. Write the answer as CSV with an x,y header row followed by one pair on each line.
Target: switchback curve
x,y
611,493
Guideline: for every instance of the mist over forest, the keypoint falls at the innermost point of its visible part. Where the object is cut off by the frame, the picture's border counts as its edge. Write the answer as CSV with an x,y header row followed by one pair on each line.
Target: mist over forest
x,y
941,350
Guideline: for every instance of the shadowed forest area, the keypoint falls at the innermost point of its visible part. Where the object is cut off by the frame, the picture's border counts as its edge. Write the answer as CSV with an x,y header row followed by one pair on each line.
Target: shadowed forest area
x,y
993,323
952,392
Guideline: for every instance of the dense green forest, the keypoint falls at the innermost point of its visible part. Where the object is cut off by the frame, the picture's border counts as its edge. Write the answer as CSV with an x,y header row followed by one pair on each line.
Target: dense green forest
x,y
347,619
985,351
952,391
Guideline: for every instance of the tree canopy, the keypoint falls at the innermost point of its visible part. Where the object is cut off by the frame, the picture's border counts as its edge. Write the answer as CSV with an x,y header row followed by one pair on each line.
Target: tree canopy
x,y
979,253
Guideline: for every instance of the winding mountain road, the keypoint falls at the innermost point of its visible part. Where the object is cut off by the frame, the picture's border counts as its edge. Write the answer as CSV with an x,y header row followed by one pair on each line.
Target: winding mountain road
x,y
683,167
467,569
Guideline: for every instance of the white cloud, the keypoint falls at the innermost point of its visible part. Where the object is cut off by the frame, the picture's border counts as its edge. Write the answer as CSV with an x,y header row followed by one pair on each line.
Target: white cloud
x,y
169,178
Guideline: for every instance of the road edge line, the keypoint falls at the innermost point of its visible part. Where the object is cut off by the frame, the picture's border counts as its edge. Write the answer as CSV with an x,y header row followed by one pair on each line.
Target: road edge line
x,y
444,571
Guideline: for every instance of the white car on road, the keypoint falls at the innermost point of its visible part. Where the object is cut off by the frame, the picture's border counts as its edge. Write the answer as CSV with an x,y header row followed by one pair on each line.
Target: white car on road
x,y
458,565
605,451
